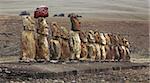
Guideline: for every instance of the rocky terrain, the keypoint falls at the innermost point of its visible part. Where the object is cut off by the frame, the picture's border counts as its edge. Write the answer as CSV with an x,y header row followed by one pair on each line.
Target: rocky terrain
x,y
98,72
112,76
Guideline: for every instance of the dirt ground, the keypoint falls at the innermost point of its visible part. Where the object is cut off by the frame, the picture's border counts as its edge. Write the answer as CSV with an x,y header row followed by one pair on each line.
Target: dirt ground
x,y
140,75
81,72
123,76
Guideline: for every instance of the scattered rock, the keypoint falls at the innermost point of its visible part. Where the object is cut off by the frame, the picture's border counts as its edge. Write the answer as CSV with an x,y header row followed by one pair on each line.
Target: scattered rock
x,y
73,81
1,70
102,80
58,81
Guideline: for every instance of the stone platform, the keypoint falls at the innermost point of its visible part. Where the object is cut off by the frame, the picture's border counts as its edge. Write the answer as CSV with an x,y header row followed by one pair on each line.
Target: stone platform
x,y
55,70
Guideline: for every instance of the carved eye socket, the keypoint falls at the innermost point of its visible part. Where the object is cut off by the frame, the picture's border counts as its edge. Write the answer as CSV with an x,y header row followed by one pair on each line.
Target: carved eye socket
x,y
42,20
95,32
46,8
54,24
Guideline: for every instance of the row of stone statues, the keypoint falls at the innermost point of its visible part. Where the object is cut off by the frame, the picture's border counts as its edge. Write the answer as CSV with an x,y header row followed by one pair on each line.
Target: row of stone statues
x,y
34,41
64,45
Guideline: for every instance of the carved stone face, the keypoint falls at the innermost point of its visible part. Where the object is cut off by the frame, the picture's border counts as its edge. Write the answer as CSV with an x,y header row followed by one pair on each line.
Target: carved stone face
x,y
91,38
83,36
112,38
64,33
24,17
107,39
75,22
125,42
118,39
55,29
28,23
43,22
97,37
43,26
102,38
25,20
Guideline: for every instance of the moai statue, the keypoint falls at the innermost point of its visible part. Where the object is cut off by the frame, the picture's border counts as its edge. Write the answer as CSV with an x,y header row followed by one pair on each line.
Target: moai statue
x,y
102,46
74,40
64,41
55,47
91,45
97,45
42,33
126,46
84,42
42,40
121,48
110,47
107,46
28,38
115,42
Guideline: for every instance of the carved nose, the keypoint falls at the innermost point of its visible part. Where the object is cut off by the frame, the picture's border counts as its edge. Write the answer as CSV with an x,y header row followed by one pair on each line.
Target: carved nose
x,y
46,26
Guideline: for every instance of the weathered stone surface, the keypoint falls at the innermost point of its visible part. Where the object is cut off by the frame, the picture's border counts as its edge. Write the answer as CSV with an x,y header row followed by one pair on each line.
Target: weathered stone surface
x,y
50,70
